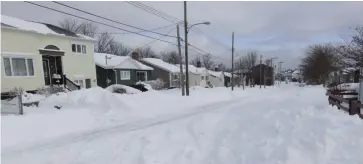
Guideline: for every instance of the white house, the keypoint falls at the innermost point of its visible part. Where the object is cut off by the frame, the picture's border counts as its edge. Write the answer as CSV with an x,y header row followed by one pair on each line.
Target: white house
x,y
35,55
194,75
216,78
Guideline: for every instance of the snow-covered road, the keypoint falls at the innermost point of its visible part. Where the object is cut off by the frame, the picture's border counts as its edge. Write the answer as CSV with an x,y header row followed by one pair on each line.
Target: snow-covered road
x,y
287,125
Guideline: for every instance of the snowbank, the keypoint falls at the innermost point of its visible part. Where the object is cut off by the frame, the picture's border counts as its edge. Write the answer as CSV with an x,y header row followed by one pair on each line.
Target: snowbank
x,y
146,85
209,126
123,88
349,86
93,98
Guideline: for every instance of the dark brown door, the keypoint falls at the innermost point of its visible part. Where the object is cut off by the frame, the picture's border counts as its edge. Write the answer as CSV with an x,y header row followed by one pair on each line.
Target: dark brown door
x,y
46,72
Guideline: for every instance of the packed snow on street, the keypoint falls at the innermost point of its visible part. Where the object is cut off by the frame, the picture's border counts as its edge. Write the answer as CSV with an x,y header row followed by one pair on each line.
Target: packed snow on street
x,y
284,124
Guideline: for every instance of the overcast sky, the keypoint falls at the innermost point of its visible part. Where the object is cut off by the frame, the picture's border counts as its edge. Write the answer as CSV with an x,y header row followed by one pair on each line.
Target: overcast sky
x,y
281,29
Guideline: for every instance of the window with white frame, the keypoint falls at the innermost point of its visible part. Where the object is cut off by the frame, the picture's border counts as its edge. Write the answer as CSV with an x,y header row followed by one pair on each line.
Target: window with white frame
x,y
207,78
18,66
79,48
80,82
202,77
125,75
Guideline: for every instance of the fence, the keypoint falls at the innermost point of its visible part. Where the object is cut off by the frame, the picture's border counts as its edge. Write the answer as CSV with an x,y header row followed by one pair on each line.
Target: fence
x,y
14,106
350,105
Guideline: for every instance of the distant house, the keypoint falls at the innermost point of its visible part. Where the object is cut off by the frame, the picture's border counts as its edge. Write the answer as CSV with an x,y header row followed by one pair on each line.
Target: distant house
x,y
262,74
112,69
167,72
194,75
346,75
216,78
227,79
35,55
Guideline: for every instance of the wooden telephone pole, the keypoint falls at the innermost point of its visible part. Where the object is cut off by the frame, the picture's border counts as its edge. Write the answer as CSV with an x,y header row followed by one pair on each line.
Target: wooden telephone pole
x,y
232,79
260,81
181,77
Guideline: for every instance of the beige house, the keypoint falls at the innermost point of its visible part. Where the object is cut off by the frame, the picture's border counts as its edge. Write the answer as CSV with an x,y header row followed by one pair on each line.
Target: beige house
x,y
34,55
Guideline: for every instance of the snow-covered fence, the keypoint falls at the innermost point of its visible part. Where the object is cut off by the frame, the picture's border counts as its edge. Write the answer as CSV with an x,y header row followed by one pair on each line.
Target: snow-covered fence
x,y
13,106
349,104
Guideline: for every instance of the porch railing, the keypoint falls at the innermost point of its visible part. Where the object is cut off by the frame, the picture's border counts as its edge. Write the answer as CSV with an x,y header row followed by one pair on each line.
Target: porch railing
x,y
69,84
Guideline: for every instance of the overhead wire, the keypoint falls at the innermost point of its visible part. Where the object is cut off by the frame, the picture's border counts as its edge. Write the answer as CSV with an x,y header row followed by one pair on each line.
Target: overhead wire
x,y
118,22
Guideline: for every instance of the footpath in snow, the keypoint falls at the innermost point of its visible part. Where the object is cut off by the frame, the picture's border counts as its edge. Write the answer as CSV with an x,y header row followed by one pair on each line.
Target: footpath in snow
x,y
282,125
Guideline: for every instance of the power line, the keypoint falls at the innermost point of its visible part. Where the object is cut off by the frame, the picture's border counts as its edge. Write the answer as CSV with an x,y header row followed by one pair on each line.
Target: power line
x,y
156,40
154,11
154,29
96,22
170,18
110,19
42,6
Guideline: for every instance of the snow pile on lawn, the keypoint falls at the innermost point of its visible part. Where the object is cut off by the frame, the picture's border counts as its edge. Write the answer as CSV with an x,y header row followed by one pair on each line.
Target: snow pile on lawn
x,y
118,88
93,98
29,97
147,85
251,126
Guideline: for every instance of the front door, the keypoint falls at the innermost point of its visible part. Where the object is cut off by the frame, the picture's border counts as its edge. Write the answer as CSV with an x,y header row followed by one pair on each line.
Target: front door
x,y
46,72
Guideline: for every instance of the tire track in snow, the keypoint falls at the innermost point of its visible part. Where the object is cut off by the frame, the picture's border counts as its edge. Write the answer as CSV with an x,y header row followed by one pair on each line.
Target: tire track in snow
x,y
123,128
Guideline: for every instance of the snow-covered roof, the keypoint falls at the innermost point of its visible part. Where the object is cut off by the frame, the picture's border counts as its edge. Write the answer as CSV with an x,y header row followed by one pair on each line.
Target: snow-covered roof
x,y
191,68
228,74
216,74
161,64
41,28
120,62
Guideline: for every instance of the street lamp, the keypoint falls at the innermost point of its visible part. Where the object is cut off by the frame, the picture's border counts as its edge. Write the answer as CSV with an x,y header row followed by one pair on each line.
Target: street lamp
x,y
186,30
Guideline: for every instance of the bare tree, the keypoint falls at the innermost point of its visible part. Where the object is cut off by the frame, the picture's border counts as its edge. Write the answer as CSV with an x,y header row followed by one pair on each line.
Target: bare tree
x,y
84,28
319,61
251,59
146,52
221,67
170,57
195,61
352,52
207,61
107,44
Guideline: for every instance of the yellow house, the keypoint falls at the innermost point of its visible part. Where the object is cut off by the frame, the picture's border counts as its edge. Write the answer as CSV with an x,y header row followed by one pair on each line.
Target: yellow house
x,y
35,55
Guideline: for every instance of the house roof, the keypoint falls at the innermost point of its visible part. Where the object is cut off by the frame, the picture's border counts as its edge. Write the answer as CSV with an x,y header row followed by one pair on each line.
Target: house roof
x,y
228,74
216,74
118,62
161,64
191,68
42,28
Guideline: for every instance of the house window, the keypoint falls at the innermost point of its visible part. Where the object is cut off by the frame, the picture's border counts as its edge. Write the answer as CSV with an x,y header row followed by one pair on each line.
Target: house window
x,y
18,66
141,76
202,77
78,48
207,78
125,75
81,83
84,49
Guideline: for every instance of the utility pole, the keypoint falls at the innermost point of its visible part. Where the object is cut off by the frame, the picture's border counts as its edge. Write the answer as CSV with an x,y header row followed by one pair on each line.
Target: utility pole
x,y
264,76
260,81
186,49
232,79
280,68
181,77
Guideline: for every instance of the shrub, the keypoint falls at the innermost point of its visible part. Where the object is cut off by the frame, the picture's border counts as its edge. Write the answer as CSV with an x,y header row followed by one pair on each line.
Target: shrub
x,y
47,91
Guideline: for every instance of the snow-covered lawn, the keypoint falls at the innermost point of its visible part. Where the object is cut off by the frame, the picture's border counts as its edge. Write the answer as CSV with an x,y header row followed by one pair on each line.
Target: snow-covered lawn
x,y
286,125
